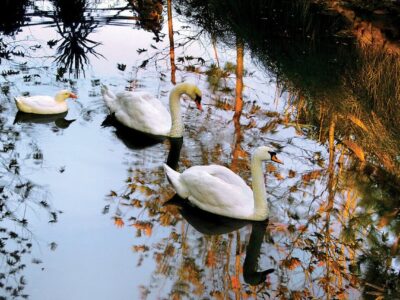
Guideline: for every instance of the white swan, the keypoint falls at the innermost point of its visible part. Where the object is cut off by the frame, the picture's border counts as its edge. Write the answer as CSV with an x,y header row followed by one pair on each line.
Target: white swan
x,y
44,105
218,190
143,112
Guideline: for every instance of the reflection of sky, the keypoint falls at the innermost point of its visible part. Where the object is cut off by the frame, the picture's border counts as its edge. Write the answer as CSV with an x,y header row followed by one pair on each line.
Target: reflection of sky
x,y
94,259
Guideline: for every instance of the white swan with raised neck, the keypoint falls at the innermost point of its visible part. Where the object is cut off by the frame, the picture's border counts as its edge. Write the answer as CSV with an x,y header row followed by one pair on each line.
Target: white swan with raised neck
x,y
218,190
143,112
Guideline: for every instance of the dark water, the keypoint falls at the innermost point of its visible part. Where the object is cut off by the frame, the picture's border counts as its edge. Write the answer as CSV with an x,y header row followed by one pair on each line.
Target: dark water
x,y
83,209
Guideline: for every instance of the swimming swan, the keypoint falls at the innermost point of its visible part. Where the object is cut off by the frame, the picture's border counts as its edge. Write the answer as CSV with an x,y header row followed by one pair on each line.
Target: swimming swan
x,y
143,112
218,190
44,105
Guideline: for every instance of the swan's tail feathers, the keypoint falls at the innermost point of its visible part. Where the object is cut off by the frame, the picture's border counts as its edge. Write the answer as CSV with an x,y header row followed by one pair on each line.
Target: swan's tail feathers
x,y
174,179
18,103
109,97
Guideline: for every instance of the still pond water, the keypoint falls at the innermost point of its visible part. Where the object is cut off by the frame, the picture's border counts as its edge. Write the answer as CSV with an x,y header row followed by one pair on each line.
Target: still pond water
x,y
83,206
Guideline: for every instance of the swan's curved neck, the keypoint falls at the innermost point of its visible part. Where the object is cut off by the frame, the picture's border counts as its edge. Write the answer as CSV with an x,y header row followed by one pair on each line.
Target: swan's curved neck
x,y
259,191
175,108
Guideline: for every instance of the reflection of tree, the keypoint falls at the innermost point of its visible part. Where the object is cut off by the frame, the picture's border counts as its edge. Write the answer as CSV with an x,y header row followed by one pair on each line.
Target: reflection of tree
x,y
149,15
19,197
171,42
343,96
12,15
74,27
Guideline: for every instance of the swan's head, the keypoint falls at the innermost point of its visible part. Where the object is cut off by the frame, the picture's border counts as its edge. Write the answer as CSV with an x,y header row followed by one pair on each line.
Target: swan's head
x,y
192,91
65,94
266,153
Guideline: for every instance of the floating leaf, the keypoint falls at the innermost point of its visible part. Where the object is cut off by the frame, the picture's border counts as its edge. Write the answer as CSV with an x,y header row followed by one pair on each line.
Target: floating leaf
x,y
136,203
311,176
140,248
141,50
271,168
291,263
278,176
119,222
144,226
113,194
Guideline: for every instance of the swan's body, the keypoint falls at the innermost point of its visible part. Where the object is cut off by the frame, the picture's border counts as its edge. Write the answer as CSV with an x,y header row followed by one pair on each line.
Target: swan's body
x,y
218,190
44,105
143,112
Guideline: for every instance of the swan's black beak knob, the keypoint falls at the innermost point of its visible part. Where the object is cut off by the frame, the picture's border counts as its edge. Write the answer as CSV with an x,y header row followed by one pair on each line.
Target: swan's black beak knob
x,y
275,158
198,102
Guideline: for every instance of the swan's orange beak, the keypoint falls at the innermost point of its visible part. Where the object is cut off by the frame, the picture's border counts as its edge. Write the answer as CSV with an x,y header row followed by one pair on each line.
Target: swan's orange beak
x,y
198,103
73,96
276,159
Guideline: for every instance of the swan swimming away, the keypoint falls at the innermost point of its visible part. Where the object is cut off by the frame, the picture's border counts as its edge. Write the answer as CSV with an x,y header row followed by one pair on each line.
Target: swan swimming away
x,y
45,105
218,190
143,112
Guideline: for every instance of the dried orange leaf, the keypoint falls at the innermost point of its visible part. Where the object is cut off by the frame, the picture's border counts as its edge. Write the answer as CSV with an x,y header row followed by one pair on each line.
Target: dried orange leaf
x,y
291,263
140,248
271,168
119,222
278,176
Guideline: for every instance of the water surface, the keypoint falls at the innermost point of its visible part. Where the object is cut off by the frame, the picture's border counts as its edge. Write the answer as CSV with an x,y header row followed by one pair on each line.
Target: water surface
x,y
83,212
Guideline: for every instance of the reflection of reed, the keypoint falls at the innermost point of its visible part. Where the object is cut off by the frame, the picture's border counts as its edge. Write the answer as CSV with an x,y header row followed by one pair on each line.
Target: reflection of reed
x,y
149,15
238,151
74,28
171,43
239,78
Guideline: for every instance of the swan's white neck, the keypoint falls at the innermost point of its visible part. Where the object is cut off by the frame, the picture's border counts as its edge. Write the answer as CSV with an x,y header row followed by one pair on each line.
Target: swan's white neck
x,y
259,192
175,108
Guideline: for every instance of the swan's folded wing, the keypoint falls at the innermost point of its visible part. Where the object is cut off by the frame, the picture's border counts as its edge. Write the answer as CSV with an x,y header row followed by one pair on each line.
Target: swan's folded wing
x,y
143,112
228,176
37,101
216,194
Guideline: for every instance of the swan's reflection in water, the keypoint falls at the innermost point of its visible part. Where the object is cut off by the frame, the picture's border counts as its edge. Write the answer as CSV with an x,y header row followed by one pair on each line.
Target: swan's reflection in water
x,y
174,152
211,224
133,139
58,119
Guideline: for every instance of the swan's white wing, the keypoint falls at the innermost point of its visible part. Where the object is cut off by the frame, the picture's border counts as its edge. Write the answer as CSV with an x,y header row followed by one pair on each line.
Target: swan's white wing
x,y
40,105
228,176
218,191
143,112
